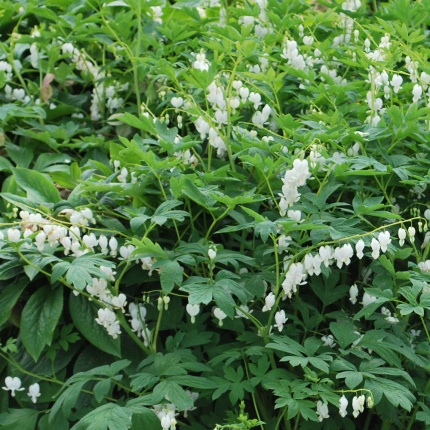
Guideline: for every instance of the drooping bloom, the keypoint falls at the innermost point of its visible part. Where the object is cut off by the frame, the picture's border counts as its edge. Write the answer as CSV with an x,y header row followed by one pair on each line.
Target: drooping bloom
x,y
396,82
329,341
358,405
193,310
13,234
411,233
280,320
211,253
326,255
12,385
384,240
368,299
402,236
353,293
119,302
322,410
269,301
376,246
359,246
417,92
219,315
343,404
34,392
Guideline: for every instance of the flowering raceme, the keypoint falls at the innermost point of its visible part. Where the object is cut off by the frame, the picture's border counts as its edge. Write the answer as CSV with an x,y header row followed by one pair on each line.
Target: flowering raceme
x,y
294,178
294,277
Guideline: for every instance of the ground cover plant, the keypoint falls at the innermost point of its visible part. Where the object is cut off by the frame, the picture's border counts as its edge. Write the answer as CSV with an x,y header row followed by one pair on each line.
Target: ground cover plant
x,y
214,215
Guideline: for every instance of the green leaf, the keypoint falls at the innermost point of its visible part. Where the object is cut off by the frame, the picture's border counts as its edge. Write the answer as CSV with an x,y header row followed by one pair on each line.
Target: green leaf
x,y
165,212
102,389
142,123
147,248
224,300
144,418
10,269
374,340
200,292
106,417
406,309
5,165
171,274
344,332
68,397
387,264
39,319
8,298
197,195
233,257
370,309
285,344
194,382
327,288
80,272
143,380
397,394
253,214
175,394
38,262
39,188
22,419
84,314
265,229
352,379
22,156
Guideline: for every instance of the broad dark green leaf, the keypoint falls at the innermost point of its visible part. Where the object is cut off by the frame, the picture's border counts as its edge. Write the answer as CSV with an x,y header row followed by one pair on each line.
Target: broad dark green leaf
x,y
8,298
38,187
39,319
171,274
22,419
344,332
175,393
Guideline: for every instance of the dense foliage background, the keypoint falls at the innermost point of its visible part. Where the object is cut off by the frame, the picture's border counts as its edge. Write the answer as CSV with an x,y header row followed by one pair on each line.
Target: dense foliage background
x,y
214,214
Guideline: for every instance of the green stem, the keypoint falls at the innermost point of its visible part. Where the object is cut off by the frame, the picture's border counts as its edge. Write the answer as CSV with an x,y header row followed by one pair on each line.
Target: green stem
x,y
425,328
157,328
216,220
257,412
117,282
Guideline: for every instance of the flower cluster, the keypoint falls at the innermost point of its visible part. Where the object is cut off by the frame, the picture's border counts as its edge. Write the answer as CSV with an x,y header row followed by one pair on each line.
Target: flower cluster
x,y
292,180
107,319
13,384
358,403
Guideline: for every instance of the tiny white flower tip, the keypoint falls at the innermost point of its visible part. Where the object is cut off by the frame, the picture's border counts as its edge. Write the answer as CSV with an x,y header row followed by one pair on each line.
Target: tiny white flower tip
x,y
211,253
